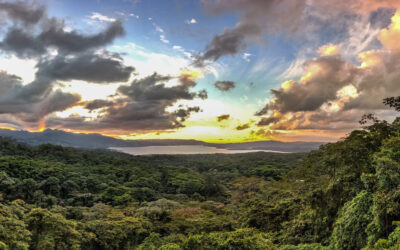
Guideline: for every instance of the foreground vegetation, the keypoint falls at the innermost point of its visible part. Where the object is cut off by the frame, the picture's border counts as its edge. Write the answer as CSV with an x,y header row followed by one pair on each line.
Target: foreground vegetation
x,y
345,195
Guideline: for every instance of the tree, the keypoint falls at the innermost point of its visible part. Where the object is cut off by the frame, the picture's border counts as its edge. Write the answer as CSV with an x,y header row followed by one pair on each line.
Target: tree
x,y
52,231
350,227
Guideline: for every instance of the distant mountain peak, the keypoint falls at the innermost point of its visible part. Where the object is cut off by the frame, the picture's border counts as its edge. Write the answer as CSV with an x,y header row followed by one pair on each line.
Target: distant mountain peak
x,y
93,140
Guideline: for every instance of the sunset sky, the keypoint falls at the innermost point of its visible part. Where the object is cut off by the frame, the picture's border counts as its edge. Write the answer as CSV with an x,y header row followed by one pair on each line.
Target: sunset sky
x,y
211,70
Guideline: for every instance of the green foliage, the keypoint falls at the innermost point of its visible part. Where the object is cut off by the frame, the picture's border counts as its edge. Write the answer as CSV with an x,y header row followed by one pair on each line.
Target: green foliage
x,y
239,239
13,231
115,233
51,230
349,232
346,195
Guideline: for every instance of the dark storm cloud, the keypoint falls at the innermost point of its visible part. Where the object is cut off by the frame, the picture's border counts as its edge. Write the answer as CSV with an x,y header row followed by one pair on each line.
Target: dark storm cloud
x,y
28,13
30,33
24,43
55,35
142,106
98,104
230,42
152,88
263,111
63,54
224,86
89,67
13,100
223,117
267,121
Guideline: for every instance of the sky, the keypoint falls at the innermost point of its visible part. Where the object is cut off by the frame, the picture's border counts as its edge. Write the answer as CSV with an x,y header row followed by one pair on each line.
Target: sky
x,y
210,70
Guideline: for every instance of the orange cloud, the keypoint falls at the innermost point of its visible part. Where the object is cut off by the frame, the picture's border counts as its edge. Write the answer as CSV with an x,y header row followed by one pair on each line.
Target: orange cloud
x,y
329,50
370,58
390,37
287,85
356,6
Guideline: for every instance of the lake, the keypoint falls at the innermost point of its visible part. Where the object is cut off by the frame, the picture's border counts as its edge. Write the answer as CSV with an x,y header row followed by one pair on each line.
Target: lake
x,y
182,150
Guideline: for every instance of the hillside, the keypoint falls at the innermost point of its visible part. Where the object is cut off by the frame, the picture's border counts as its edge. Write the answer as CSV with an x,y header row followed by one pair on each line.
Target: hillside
x,y
344,195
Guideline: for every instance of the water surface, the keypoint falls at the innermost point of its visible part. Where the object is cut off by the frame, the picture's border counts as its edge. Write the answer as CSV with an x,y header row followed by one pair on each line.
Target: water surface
x,y
182,150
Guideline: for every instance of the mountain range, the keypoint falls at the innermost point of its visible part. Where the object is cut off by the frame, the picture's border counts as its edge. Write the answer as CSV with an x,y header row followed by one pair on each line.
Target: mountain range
x,y
98,141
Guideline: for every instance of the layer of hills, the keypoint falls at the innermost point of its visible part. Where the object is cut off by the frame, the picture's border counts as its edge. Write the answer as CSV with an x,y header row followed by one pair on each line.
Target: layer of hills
x,y
94,141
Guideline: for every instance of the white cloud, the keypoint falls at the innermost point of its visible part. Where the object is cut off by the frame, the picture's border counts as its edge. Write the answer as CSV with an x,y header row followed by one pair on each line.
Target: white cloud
x,y
176,47
182,50
100,17
295,69
191,21
133,15
261,65
189,55
159,29
361,35
246,56
163,39
149,62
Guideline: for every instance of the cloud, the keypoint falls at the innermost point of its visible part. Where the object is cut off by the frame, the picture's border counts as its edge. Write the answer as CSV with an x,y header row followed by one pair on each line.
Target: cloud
x,y
100,17
64,54
333,93
243,127
390,36
230,42
98,104
136,16
223,117
266,134
202,94
60,54
177,47
163,39
159,29
329,50
97,68
325,76
142,106
23,11
25,103
259,18
152,88
246,56
224,86
24,43
256,18
267,121
191,21
263,111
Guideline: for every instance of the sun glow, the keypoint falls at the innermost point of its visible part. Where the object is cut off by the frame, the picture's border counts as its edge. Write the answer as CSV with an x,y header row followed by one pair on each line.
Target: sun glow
x,y
192,74
329,50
